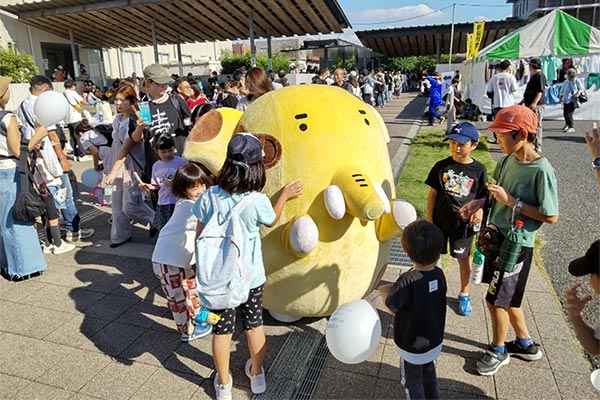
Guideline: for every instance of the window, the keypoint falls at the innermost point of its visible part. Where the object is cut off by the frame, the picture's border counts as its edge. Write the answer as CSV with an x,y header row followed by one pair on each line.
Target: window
x,y
107,71
132,62
186,59
163,58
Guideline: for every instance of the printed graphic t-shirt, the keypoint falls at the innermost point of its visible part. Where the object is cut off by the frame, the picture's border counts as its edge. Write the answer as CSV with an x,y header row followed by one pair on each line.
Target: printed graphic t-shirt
x,y
162,175
461,183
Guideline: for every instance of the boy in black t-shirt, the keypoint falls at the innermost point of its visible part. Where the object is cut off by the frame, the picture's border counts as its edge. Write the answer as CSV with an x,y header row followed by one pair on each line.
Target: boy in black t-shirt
x,y
418,302
454,182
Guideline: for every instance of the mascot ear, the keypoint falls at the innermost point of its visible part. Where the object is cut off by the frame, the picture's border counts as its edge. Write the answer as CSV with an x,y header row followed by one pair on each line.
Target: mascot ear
x,y
272,148
207,127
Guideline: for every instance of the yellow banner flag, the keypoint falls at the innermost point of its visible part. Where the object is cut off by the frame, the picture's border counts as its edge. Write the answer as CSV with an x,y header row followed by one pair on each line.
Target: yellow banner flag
x,y
469,45
477,37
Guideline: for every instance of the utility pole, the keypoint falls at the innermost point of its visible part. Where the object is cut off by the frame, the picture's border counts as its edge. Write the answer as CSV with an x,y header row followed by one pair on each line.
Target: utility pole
x,y
451,38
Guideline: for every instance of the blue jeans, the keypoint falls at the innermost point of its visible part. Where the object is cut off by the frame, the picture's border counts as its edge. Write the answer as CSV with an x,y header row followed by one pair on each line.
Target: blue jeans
x,y
70,213
20,252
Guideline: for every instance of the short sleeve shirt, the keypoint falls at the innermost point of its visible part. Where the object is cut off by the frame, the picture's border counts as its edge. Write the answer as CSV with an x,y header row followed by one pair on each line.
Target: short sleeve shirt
x,y
535,184
259,212
536,84
456,185
92,138
166,119
162,172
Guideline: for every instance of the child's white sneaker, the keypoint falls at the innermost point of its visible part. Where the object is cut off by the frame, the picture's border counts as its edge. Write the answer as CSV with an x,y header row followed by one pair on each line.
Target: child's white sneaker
x,y
258,383
223,392
47,249
63,248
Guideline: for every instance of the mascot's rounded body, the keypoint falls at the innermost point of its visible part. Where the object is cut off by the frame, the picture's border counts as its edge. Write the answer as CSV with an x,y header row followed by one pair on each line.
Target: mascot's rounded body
x,y
332,243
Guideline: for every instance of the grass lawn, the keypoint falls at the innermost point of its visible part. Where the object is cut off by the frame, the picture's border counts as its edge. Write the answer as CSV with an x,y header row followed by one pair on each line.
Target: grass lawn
x,y
426,149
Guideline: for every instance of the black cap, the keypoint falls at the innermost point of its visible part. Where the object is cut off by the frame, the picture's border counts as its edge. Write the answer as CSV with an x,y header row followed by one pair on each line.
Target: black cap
x,y
588,264
535,63
246,145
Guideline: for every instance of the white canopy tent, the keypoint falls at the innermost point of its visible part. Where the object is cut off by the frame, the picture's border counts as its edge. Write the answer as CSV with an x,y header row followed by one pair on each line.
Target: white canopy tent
x,y
551,38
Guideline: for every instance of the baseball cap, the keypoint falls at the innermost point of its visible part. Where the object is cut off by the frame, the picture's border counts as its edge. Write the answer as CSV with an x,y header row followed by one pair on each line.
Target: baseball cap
x,y
535,63
589,263
246,145
157,73
514,118
463,132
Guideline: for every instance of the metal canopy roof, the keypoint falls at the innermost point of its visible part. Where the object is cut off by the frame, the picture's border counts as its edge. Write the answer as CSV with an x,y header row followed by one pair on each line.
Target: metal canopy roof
x,y
422,41
127,23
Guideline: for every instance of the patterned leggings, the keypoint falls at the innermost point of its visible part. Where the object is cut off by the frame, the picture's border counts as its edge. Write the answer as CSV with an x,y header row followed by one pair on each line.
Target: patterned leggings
x,y
179,286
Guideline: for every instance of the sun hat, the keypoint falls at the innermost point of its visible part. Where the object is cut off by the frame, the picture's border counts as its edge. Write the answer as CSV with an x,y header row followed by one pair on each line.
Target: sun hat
x,y
4,82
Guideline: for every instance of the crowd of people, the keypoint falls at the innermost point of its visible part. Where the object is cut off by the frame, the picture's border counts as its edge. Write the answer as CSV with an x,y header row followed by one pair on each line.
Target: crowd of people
x,y
140,158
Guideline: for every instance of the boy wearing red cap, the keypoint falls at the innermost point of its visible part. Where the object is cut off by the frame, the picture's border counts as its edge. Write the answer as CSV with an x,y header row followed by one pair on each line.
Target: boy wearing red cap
x,y
526,191
587,265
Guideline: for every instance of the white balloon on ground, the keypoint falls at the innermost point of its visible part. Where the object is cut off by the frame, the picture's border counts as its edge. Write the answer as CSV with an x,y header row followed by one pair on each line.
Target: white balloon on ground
x,y
353,332
50,108
90,177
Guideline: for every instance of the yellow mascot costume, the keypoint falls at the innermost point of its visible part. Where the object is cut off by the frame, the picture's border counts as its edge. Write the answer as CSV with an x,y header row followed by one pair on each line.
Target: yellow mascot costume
x,y
332,243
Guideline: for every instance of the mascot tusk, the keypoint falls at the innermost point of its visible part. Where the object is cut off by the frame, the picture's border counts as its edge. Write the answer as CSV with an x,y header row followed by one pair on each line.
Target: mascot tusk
x,y
334,202
391,225
362,199
384,199
300,236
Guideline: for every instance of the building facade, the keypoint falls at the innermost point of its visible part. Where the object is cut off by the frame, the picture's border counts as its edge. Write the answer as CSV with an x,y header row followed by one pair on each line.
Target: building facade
x,y
587,11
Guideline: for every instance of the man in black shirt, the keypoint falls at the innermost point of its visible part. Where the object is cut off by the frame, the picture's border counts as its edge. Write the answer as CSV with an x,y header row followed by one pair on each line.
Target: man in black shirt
x,y
535,97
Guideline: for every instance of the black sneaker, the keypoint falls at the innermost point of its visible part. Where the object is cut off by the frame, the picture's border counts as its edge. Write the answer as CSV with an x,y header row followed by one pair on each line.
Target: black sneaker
x,y
530,353
491,361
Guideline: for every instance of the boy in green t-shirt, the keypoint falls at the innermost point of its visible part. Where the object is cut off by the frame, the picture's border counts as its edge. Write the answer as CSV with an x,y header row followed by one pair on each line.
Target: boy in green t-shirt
x,y
527,191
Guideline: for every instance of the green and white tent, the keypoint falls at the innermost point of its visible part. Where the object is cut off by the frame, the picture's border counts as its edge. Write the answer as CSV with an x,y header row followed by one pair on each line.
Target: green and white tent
x,y
556,34
551,38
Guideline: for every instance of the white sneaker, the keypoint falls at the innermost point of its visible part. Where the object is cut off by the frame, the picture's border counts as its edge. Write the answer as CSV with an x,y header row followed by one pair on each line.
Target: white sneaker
x,y
565,128
258,384
63,248
223,392
570,130
47,249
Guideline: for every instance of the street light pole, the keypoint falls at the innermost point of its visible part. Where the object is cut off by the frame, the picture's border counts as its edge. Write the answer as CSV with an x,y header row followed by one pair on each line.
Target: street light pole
x,y
451,38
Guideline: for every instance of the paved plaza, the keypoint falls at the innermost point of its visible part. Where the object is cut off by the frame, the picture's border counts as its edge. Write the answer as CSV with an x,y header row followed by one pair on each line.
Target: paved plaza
x,y
96,325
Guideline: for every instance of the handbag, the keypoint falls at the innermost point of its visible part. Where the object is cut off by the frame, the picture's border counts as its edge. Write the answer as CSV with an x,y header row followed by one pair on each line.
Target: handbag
x,y
28,204
582,98
490,238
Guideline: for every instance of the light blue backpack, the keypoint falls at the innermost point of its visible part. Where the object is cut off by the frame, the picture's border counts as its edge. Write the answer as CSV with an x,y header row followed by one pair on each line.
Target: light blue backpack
x,y
224,256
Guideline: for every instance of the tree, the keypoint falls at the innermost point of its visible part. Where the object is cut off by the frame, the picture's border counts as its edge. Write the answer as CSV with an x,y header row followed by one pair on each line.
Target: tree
x,y
19,66
231,62
347,64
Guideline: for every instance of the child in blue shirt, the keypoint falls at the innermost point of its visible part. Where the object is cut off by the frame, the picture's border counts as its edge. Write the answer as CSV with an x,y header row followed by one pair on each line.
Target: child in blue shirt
x,y
243,172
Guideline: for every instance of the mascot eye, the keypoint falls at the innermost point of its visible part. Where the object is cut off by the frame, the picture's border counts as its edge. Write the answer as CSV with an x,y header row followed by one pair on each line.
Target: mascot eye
x,y
363,112
302,126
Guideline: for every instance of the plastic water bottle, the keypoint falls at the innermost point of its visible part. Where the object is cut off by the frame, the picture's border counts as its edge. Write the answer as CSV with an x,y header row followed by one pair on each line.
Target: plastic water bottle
x,y
108,191
100,116
477,267
204,315
511,248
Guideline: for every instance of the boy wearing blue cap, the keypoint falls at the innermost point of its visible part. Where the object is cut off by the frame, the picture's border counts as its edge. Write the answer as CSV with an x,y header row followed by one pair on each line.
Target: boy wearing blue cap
x,y
454,182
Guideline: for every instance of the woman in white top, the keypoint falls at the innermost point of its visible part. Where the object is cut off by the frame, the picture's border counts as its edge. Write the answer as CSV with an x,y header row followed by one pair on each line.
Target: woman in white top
x,y
20,255
127,199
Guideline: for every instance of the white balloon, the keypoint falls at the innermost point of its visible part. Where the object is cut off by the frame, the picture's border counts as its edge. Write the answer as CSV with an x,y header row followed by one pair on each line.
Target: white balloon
x,y
353,332
50,108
